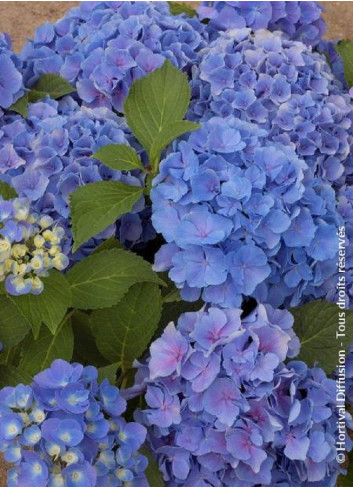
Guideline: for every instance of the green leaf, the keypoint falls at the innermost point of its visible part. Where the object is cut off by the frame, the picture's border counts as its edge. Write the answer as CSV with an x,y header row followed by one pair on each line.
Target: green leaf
x,y
85,348
156,101
13,355
347,479
49,307
38,354
123,332
7,192
97,205
13,326
316,325
172,296
177,8
102,279
108,244
119,157
152,472
170,293
11,376
172,311
108,372
21,106
168,134
345,50
50,84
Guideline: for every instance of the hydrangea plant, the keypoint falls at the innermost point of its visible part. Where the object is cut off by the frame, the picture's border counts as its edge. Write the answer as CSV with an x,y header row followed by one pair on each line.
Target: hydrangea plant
x,y
224,410
250,194
66,429
248,206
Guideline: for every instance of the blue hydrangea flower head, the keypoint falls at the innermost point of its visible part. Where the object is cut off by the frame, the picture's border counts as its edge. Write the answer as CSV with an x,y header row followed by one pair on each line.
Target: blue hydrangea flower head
x,y
299,21
48,155
30,246
11,82
251,195
103,47
67,430
224,410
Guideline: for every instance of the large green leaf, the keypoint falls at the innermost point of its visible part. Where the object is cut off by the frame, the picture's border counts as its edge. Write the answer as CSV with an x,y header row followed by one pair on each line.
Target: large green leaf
x,y
108,372
177,8
21,106
13,326
85,348
316,325
97,205
173,309
108,244
123,332
7,192
168,134
50,84
155,102
38,354
11,376
49,307
119,157
345,50
102,279
152,472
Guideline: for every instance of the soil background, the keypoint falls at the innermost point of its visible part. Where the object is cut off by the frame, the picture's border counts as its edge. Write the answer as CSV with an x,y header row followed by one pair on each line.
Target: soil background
x,y
19,19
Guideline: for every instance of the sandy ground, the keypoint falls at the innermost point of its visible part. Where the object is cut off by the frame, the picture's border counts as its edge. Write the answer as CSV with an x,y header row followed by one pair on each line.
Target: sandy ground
x,y
19,19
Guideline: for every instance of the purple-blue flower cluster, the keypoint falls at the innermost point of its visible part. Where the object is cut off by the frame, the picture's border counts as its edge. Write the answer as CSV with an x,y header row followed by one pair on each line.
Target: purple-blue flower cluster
x,y
299,21
224,410
246,203
48,155
11,86
30,245
103,47
328,49
67,430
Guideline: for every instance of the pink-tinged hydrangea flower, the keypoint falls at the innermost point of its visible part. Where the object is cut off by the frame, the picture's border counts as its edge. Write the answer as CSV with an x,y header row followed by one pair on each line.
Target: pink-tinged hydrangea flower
x,y
168,353
232,413
164,407
222,400
67,430
216,327
243,443
9,159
